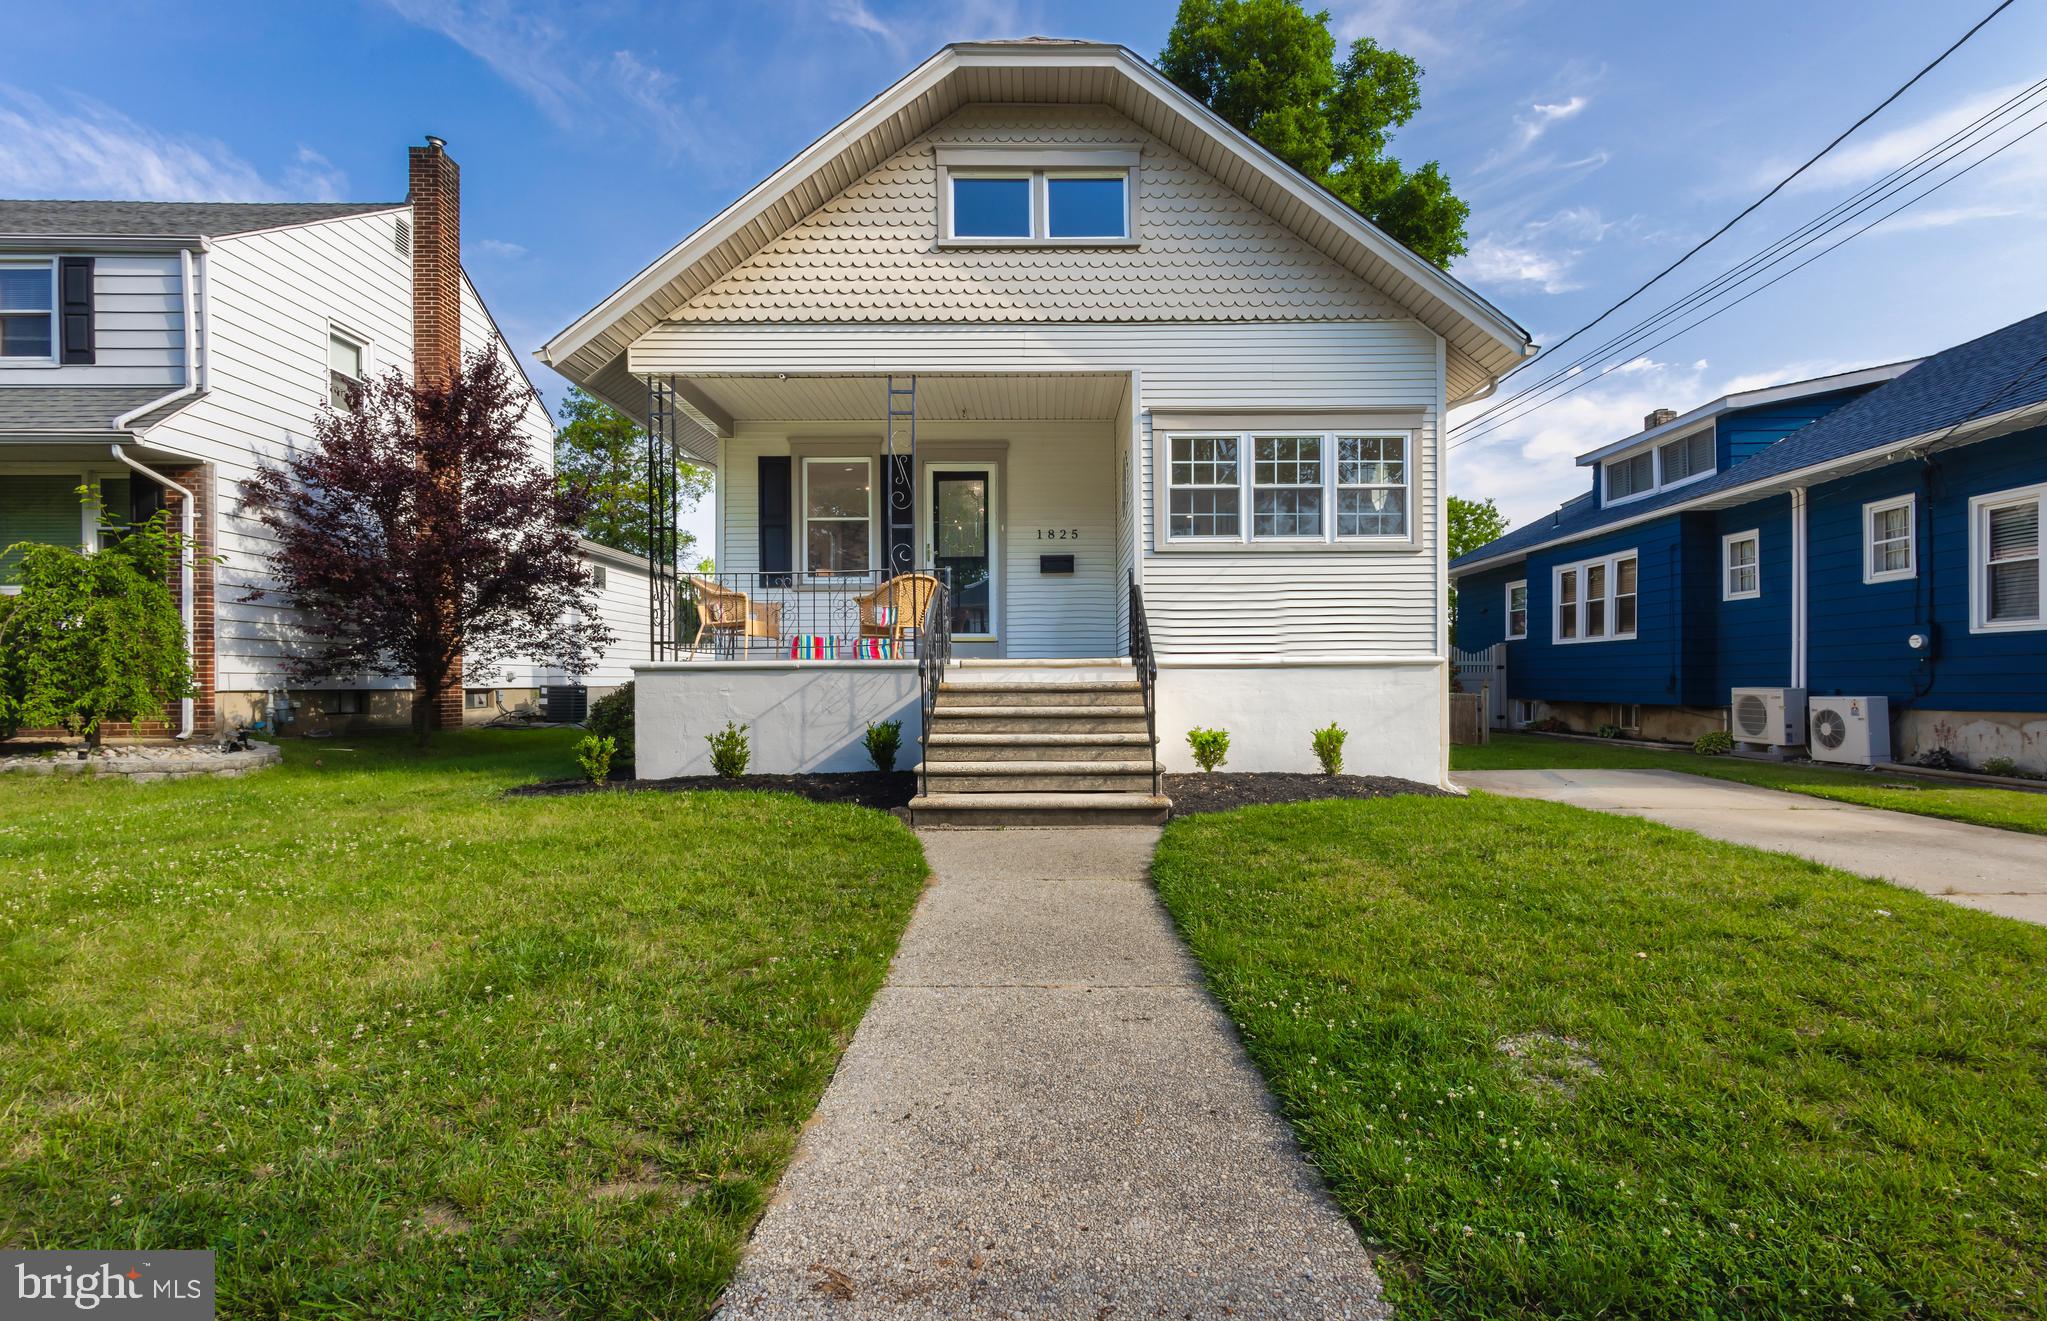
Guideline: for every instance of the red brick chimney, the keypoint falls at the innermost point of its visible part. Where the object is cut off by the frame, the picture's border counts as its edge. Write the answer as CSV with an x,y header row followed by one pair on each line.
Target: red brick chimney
x,y
436,197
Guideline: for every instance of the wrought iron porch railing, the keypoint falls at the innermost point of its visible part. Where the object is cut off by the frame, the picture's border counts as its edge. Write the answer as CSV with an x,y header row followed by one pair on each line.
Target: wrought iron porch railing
x,y
931,663
1145,662
874,615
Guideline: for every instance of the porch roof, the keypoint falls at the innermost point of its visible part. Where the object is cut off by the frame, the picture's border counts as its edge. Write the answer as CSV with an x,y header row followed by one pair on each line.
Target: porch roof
x,y
1482,341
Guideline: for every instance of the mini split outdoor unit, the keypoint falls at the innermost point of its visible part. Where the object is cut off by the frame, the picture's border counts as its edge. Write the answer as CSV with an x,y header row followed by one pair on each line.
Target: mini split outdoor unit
x,y
1856,730
1772,716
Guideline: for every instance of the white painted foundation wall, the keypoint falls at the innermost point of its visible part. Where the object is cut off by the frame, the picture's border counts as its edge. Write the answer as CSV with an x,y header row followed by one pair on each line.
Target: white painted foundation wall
x,y
801,715
1393,712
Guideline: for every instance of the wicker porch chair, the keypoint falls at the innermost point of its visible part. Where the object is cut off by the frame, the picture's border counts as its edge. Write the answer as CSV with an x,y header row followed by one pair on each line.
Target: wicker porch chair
x,y
728,614
896,608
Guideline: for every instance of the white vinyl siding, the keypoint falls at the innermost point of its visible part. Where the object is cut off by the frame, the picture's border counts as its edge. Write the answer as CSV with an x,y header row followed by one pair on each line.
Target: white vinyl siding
x,y
1595,600
1889,552
1303,602
1741,565
138,326
2007,543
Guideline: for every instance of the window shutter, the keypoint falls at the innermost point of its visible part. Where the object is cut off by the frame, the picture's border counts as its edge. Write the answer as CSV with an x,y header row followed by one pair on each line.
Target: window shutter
x,y
74,309
777,504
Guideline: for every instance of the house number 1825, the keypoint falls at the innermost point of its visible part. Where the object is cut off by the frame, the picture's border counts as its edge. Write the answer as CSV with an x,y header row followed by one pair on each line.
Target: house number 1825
x,y
1059,534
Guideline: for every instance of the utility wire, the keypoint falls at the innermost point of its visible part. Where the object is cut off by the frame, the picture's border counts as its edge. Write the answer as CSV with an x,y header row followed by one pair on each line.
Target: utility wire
x,y
1780,185
1589,379
1840,213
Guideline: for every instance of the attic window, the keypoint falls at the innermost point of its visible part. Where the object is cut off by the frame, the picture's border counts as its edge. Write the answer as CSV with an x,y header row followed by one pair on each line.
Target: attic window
x,y
1008,196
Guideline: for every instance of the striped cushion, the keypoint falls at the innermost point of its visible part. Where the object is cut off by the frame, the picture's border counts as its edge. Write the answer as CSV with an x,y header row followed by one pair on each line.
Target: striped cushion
x,y
813,646
874,649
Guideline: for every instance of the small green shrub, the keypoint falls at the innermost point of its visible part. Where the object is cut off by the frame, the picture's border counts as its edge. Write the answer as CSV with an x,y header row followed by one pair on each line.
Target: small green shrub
x,y
883,740
594,754
1716,744
1329,748
729,752
611,716
1549,725
1609,731
1211,747
2001,766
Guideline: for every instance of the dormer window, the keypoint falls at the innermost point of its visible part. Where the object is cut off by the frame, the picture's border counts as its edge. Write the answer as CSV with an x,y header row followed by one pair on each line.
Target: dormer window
x,y
1672,463
1632,476
1003,196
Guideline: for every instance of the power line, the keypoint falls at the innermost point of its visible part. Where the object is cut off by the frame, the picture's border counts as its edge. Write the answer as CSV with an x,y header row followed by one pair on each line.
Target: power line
x,y
1767,283
1780,185
1832,218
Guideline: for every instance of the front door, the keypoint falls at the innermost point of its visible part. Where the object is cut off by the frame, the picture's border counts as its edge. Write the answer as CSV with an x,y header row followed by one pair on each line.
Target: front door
x,y
960,541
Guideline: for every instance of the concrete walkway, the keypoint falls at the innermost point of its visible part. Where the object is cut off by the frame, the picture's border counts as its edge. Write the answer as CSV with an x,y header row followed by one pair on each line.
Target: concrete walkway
x,y
1043,1114
1997,871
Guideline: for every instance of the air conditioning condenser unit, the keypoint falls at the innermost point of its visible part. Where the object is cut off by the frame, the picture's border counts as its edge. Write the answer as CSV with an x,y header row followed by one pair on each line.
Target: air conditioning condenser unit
x,y
1771,716
1854,730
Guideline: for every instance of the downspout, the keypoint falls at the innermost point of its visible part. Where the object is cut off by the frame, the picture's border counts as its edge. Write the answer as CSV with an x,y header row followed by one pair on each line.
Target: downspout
x,y
1798,587
189,301
184,570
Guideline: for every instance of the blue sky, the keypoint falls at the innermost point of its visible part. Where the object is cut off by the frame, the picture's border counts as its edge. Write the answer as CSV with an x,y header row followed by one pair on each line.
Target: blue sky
x,y
1595,142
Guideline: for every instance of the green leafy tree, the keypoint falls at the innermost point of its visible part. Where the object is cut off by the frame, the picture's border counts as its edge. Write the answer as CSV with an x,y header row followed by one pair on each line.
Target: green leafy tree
x,y
1269,67
605,452
93,637
1472,524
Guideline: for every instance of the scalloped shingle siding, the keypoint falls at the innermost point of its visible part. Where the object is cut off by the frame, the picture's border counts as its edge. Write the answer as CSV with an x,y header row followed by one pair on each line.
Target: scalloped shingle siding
x,y
870,254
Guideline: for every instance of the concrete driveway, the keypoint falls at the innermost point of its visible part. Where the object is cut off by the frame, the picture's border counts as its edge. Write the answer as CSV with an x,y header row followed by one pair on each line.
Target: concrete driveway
x,y
1997,871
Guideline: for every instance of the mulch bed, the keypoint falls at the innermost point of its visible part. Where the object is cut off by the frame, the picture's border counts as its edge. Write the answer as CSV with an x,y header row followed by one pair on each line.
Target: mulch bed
x,y
863,788
1220,791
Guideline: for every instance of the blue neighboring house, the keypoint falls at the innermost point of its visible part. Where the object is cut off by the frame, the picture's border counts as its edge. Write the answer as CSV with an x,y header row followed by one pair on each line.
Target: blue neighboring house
x,y
1874,533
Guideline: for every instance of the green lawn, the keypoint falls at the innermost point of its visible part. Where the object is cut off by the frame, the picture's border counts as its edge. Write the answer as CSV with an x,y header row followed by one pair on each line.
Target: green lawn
x,y
2008,809
395,1045
1746,1085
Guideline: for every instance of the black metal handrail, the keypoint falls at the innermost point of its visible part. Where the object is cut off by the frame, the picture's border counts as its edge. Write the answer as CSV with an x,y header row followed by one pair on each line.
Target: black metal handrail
x,y
1146,663
933,655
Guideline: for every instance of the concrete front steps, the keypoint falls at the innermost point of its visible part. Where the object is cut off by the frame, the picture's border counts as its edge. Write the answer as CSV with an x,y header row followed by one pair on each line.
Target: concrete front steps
x,y
1039,743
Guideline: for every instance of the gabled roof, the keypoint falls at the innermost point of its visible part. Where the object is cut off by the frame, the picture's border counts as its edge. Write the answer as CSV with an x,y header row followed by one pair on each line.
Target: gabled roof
x,y
1482,341
1773,394
1988,387
166,220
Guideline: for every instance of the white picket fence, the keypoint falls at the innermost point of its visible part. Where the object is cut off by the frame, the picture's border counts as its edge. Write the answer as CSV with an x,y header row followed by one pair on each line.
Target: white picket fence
x,y
1485,672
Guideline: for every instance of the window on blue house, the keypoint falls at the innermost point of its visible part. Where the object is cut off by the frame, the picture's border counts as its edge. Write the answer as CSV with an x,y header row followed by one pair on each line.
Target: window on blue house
x,y
1632,476
1595,600
1517,610
1887,540
1741,565
2005,549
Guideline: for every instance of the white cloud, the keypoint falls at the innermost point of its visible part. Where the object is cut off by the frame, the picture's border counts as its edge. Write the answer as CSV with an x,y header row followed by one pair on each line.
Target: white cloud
x,y
499,249
93,150
927,28
1543,116
575,88
1499,264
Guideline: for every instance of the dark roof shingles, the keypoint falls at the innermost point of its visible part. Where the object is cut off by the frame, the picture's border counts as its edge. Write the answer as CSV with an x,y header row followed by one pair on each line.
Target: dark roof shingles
x,y
32,409
49,219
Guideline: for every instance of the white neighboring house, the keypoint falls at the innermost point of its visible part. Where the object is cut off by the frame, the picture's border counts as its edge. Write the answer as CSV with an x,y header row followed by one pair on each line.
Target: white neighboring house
x,y
163,348
1147,362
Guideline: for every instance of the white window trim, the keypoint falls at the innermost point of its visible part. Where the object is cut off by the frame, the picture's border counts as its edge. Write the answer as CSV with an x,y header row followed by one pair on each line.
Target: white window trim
x,y
1870,573
54,357
1246,439
1611,563
1658,482
804,519
1727,567
1014,161
1522,584
364,345
1326,521
1979,559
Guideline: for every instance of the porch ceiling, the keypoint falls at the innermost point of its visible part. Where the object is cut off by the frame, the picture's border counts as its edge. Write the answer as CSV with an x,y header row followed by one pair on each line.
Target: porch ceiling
x,y
1049,397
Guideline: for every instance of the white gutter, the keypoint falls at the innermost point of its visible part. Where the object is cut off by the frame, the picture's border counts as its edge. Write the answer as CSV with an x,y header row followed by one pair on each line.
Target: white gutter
x,y
184,570
1799,512
191,327
1874,457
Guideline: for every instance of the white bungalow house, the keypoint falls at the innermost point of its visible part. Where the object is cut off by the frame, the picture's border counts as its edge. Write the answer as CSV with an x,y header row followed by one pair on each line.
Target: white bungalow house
x,y
161,350
1037,325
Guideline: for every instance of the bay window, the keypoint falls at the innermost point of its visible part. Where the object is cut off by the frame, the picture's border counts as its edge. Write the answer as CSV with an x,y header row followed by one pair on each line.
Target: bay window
x,y
1595,600
2006,591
